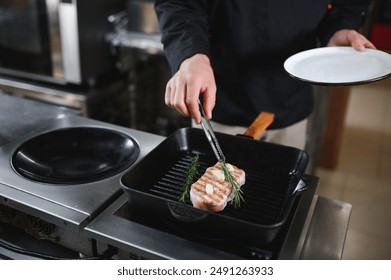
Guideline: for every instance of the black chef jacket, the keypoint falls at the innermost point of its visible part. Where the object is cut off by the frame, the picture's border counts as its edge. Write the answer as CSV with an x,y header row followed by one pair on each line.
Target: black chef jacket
x,y
247,42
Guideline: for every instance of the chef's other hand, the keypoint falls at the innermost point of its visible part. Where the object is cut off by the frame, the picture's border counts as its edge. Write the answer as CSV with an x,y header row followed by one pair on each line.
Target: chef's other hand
x,y
347,37
194,77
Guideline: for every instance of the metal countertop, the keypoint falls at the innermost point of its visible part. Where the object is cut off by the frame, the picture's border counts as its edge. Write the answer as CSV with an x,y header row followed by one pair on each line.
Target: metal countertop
x,y
20,116
23,119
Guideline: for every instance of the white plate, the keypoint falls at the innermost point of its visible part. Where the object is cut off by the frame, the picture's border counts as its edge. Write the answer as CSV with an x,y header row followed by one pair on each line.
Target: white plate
x,y
339,66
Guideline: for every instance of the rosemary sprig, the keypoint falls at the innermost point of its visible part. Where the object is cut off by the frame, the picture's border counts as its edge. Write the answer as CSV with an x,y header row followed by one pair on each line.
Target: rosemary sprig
x,y
191,173
238,193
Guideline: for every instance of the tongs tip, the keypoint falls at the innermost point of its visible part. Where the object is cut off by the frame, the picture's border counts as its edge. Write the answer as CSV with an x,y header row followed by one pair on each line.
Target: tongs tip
x,y
210,135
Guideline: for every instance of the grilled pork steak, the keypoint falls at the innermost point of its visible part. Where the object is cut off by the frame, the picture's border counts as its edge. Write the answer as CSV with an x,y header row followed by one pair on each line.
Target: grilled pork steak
x,y
212,191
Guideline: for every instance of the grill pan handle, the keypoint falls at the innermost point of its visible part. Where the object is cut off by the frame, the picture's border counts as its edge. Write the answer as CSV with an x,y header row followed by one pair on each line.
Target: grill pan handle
x,y
259,125
185,213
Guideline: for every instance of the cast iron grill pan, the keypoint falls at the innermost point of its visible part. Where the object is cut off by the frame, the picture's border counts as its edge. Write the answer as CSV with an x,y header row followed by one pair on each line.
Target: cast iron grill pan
x,y
272,173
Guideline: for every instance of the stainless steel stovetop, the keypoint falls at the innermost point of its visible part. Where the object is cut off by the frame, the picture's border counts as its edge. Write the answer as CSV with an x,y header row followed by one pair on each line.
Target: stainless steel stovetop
x,y
71,203
94,217
65,209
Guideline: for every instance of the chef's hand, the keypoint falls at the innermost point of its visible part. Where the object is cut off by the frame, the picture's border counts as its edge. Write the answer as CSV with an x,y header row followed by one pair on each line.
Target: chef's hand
x,y
347,37
194,77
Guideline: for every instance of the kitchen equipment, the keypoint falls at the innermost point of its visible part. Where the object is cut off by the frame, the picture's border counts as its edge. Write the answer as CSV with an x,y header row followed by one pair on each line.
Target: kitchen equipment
x,y
55,212
95,220
138,235
63,44
75,155
142,17
339,66
272,175
63,57
107,103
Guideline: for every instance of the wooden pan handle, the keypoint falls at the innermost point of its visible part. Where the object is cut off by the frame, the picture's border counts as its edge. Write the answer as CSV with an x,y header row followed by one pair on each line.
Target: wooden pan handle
x,y
259,125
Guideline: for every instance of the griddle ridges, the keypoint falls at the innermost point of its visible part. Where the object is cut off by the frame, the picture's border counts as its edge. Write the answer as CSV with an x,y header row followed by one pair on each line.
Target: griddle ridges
x,y
264,191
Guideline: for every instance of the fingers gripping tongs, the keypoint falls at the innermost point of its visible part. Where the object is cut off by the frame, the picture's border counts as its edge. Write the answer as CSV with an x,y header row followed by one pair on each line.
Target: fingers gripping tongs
x,y
210,135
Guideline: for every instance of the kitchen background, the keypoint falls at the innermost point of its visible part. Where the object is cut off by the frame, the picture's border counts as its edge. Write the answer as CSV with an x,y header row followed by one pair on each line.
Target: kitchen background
x,y
362,176
358,173
361,173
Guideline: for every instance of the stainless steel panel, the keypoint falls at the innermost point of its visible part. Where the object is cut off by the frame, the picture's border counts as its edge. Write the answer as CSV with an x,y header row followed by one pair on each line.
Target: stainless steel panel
x,y
327,232
144,241
44,93
70,41
55,42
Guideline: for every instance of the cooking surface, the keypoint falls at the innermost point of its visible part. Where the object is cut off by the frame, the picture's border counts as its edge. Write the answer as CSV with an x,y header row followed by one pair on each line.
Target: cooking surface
x,y
72,204
264,193
75,155
21,116
268,192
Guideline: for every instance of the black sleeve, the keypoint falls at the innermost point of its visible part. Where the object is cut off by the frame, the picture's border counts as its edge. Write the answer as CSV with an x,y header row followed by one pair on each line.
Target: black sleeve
x,y
184,29
343,14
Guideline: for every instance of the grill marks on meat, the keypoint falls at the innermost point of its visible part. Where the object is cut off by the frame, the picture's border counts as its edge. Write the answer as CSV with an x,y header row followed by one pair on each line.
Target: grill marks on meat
x,y
211,191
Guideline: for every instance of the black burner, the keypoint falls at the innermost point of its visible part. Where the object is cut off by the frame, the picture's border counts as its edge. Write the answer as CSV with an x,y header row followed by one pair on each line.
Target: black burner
x,y
75,155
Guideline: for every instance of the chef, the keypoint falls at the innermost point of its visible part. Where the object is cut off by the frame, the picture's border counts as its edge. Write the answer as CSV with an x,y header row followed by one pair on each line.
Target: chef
x,y
231,52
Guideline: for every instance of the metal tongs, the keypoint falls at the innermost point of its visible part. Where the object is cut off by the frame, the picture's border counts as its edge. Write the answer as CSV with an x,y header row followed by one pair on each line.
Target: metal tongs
x,y
210,135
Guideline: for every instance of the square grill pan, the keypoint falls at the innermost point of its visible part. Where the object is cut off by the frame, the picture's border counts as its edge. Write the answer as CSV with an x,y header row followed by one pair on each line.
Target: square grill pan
x,y
273,172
